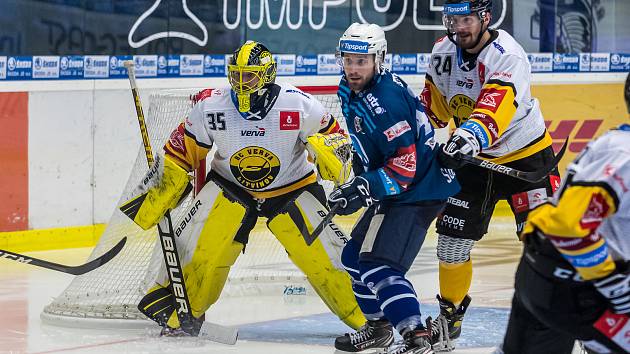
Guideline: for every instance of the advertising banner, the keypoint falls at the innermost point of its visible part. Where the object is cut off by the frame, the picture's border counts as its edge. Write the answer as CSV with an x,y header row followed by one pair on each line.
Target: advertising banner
x,y
569,111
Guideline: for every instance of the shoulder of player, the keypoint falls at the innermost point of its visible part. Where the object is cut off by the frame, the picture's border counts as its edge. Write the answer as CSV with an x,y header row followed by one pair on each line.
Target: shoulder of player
x,y
443,46
294,93
504,48
389,93
292,98
617,139
211,96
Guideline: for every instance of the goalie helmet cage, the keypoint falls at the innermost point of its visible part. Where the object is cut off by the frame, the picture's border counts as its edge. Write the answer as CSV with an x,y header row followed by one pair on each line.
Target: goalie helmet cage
x,y
107,296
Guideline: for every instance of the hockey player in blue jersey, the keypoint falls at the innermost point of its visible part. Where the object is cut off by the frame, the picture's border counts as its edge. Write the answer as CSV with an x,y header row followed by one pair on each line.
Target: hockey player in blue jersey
x,y
400,183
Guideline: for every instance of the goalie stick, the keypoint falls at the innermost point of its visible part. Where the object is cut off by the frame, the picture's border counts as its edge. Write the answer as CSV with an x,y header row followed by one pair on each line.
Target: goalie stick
x,y
74,270
529,176
211,331
322,224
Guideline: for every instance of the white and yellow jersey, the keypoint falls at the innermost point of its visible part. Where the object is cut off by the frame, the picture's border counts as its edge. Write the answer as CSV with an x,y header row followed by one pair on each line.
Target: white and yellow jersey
x,y
589,217
264,155
489,94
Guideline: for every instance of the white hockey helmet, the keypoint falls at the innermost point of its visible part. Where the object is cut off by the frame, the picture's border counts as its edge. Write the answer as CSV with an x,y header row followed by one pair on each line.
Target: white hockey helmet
x,y
364,38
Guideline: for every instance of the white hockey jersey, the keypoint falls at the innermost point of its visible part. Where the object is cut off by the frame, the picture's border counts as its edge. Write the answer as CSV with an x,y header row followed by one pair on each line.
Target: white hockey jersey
x,y
488,94
606,163
266,156
588,219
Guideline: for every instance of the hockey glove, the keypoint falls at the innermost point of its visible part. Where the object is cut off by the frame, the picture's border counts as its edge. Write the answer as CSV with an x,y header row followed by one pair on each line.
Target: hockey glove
x,y
616,289
332,154
353,196
462,141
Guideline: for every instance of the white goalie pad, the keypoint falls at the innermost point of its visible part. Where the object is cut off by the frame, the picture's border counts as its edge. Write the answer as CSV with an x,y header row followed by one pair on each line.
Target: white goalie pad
x,y
332,238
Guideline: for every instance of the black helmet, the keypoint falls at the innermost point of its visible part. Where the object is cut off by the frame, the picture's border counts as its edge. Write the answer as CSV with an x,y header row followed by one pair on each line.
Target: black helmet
x,y
626,92
475,5
463,8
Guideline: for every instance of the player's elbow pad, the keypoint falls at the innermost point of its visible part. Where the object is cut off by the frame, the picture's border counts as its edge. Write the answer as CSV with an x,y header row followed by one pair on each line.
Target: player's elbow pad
x,y
332,154
160,190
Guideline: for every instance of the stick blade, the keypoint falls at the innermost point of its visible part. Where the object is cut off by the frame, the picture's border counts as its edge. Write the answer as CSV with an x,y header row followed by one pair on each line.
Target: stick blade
x,y
218,333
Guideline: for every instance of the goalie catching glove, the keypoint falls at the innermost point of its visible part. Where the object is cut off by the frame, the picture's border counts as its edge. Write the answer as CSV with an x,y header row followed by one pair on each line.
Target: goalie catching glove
x,y
353,196
160,190
332,154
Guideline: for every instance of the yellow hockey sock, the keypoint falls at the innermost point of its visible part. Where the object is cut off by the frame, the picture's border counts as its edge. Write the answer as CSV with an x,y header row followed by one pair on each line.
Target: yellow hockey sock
x,y
455,281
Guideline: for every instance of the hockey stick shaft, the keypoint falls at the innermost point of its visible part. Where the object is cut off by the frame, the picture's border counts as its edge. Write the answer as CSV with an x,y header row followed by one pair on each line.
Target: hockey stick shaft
x,y
532,177
74,270
139,112
322,224
165,227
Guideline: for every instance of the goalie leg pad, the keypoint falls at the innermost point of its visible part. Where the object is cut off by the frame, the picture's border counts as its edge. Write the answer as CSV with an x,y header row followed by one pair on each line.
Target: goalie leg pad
x,y
321,261
159,191
207,247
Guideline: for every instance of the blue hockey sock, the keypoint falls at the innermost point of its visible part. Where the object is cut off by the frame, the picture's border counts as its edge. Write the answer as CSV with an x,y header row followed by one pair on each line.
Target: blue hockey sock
x,y
364,296
394,294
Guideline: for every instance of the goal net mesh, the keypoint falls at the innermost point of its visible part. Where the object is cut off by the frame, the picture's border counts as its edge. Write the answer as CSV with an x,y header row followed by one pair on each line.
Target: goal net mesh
x,y
112,291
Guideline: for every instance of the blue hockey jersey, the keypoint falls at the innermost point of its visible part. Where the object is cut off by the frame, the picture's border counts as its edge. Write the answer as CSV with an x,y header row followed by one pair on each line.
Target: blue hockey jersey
x,y
395,142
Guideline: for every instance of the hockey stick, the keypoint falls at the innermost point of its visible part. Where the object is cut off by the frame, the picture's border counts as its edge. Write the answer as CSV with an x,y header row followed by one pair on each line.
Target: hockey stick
x,y
322,224
74,270
168,242
532,177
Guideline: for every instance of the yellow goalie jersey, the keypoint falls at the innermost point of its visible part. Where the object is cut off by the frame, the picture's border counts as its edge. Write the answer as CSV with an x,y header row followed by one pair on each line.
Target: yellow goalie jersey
x,y
589,217
489,94
263,155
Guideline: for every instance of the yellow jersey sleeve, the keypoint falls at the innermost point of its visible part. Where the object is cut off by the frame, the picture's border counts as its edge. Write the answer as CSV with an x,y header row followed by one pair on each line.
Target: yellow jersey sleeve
x,y
434,103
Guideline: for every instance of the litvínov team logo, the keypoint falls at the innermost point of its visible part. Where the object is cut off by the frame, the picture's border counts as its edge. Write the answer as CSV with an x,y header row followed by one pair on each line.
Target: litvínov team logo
x,y
254,167
462,107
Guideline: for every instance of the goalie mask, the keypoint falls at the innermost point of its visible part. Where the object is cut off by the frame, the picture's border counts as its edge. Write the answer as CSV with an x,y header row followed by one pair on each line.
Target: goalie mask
x,y
251,68
463,17
364,38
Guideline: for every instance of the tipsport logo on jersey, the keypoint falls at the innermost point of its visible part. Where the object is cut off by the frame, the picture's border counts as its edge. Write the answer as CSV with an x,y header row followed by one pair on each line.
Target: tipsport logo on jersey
x,y
254,167
462,107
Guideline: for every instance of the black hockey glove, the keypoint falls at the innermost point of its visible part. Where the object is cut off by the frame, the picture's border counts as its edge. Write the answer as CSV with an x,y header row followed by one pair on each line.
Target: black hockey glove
x,y
462,141
352,195
616,289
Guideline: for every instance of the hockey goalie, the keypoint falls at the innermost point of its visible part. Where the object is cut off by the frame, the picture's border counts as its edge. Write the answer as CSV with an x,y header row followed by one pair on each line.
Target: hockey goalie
x,y
260,130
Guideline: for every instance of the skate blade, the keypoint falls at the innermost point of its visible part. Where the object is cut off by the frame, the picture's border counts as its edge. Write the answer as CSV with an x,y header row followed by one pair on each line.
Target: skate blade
x,y
445,343
366,351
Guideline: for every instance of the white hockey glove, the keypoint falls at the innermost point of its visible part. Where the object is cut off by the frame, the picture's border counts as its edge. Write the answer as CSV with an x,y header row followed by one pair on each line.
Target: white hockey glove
x,y
462,141
616,289
353,196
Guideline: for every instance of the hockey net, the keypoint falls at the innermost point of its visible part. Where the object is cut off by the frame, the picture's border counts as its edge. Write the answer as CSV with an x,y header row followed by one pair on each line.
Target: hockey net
x,y
108,295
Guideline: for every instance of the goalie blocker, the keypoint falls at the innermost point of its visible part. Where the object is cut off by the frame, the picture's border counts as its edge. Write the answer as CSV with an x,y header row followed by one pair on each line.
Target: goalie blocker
x,y
215,230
